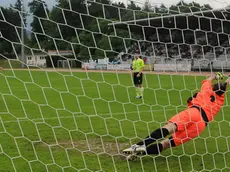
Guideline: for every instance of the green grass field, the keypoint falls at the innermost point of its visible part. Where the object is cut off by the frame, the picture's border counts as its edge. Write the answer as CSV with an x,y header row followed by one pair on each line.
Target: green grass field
x,y
65,121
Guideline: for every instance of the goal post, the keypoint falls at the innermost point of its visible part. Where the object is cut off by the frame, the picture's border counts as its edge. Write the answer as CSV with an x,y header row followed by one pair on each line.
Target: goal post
x,y
74,106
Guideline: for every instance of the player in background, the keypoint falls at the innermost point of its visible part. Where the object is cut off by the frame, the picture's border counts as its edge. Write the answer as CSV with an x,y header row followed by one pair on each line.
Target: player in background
x,y
137,67
188,124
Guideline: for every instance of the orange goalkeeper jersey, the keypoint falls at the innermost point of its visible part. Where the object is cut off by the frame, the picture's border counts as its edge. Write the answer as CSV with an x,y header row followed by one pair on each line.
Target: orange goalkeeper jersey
x,y
208,100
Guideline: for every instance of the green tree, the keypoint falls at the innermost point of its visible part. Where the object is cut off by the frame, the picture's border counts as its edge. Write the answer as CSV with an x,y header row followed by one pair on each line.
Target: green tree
x,y
9,21
40,11
184,7
63,22
119,4
194,6
103,45
147,6
21,8
86,39
162,9
133,6
207,7
173,9
18,6
128,13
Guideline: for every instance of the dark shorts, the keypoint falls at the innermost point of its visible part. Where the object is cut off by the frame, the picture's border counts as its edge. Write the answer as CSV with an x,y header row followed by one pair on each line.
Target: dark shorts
x,y
137,80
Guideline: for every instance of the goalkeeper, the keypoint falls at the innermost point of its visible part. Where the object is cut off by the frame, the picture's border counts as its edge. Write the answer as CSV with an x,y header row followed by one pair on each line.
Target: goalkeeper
x,y
188,124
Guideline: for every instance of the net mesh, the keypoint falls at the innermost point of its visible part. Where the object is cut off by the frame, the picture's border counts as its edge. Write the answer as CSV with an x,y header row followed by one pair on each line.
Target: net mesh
x,y
56,117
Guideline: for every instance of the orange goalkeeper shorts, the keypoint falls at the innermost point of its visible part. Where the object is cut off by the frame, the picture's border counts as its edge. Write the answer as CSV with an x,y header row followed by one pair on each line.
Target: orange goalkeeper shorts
x,y
189,125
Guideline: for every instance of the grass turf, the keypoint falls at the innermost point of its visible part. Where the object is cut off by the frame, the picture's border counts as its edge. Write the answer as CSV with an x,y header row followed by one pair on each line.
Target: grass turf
x,y
65,121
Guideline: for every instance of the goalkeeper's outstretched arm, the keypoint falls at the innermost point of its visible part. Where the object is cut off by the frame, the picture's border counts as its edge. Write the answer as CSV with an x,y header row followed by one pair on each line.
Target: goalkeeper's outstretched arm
x,y
212,77
218,75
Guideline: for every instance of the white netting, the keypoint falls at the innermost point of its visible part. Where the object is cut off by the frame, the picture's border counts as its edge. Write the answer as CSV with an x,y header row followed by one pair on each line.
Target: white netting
x,y
57,117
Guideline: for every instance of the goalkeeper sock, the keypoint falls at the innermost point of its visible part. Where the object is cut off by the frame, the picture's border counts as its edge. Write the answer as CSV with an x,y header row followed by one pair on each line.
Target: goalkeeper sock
x,y
154,149
141,91
137,91
159,133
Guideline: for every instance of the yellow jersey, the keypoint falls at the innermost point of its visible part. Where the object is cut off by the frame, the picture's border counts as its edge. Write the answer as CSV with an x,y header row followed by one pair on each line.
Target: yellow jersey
x,y
138,65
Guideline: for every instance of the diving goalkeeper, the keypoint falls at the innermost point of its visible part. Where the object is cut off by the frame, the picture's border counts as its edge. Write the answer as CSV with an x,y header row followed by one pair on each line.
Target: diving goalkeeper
x,y
188,124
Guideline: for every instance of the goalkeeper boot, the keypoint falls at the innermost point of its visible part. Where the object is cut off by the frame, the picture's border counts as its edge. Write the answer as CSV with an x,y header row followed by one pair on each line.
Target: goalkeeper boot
x,y
135,149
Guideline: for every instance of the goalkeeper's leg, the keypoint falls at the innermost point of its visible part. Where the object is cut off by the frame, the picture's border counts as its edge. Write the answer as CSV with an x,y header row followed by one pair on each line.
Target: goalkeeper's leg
x,y
152,149
192,130
159,147
182,131
158,134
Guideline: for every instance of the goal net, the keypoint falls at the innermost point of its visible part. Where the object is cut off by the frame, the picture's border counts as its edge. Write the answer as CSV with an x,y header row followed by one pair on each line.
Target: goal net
x,y
67,99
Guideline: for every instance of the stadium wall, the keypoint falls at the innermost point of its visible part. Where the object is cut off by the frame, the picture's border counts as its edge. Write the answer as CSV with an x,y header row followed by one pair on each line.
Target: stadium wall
x,y
193,65
182,65
214,65
173,67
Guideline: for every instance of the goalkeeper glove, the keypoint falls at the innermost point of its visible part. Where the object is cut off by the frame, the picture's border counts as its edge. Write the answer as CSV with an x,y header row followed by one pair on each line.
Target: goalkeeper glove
x,y
219,75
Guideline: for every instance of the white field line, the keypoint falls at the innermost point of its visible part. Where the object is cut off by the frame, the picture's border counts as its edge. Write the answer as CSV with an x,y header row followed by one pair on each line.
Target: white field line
x,y
199,73
86,116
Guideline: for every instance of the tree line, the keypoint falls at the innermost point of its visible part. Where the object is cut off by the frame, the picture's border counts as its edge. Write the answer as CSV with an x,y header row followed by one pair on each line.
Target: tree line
x,y
77,25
